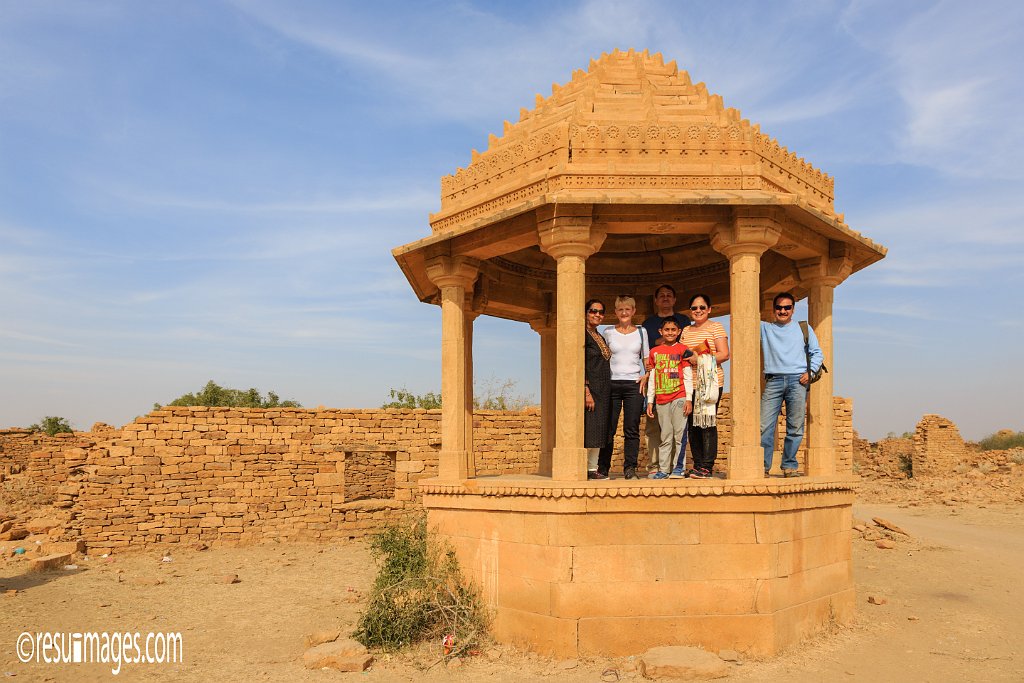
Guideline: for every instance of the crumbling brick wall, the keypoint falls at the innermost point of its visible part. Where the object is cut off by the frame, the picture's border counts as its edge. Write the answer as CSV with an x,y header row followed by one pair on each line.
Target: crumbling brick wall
x,y
39,455
888,458
244,475
230,475
938,447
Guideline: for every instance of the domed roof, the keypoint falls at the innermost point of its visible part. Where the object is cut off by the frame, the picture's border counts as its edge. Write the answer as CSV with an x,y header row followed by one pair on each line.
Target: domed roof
x,y
653,163
630,122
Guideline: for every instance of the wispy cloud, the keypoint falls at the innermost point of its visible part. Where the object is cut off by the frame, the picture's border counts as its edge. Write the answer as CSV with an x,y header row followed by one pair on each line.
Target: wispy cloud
x,y
18,336
950,71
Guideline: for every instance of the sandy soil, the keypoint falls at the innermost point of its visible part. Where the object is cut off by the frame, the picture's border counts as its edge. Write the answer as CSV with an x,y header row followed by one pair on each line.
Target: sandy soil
x,y
953,611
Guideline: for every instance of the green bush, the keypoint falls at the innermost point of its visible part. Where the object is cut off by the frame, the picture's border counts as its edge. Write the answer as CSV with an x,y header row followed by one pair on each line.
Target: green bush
x,y
906,464
51,424
1001,441
214,395
419,593
403,398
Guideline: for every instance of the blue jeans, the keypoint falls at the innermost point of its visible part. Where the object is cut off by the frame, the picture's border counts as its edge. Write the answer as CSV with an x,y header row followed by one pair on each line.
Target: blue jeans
x,y
777,389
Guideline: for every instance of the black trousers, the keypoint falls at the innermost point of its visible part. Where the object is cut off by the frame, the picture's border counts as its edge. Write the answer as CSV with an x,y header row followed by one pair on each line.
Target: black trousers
x,y
704,441
626,399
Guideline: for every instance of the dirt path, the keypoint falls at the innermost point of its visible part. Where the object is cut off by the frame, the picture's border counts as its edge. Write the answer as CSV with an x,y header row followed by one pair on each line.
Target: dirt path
x,y
959,575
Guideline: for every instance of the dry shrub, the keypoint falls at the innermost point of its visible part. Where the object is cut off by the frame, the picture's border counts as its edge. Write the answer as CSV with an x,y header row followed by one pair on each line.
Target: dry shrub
x,y
419,593
1002,441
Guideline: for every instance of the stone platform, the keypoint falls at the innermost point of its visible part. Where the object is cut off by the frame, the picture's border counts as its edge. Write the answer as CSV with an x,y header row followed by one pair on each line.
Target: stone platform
x,y
614,568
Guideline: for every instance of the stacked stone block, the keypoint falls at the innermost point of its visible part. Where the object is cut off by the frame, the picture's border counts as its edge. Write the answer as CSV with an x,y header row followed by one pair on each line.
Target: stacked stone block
x,y
232,475
938,447
38,454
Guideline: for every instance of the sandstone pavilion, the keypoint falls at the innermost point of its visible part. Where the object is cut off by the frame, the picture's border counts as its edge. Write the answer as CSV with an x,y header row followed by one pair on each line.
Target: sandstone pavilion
x,y
626,177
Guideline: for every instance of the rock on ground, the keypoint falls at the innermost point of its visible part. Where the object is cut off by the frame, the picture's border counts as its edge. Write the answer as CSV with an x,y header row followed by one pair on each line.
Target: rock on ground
x,y
344,655
689,663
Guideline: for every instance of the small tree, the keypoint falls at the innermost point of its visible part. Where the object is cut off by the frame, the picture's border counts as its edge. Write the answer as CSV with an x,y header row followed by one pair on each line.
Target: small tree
x,y
51,424
497,395
403,398
215,395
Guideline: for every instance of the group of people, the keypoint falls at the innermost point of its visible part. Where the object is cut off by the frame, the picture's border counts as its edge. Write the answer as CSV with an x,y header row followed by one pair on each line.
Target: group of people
x,y
670,368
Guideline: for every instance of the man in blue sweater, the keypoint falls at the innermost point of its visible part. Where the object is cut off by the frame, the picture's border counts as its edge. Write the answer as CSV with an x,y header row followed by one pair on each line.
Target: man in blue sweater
x,y
785,370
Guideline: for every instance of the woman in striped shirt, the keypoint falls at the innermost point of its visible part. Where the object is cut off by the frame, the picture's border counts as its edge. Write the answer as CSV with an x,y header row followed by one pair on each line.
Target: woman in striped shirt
x,y
704,440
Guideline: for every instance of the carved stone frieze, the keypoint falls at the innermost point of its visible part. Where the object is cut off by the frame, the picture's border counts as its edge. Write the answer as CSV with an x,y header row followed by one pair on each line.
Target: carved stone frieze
x,y
685,489
627,110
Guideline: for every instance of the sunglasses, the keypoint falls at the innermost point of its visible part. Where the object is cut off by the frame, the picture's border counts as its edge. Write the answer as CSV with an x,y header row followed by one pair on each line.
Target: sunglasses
x,y
698,308
598,311
784,308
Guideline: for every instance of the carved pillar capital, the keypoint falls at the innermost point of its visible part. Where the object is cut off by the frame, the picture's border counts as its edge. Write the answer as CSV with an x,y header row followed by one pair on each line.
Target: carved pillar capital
x,y
453,271
544,324
567,230
748,233
829,270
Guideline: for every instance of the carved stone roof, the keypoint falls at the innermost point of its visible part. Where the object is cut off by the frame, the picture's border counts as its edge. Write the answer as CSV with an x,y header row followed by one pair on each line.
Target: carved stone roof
x,y
629,123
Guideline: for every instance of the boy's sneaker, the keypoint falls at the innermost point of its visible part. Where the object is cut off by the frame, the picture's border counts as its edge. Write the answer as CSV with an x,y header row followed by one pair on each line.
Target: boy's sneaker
x,y
658,475
630,473
594,474
700,473
791,473
677,473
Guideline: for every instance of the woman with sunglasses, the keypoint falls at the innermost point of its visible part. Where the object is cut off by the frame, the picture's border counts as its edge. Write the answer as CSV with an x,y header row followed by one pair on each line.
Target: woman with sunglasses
x,y
704,428
596,390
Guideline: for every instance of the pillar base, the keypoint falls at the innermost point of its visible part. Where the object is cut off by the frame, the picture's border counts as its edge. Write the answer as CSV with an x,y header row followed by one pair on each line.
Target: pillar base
x,y
569,464
612,569
821,461
452,465
746,462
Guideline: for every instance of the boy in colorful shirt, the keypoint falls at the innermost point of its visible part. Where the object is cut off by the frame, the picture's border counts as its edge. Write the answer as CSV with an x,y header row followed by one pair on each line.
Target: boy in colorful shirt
x,y
670,387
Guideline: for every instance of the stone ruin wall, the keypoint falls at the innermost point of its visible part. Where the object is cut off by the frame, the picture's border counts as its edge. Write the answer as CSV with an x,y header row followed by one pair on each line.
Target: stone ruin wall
x,y
17,447
888,458
938,447
225,475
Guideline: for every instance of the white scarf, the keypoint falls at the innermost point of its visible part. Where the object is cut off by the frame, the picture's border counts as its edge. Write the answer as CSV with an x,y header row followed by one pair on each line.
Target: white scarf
x,y
706,390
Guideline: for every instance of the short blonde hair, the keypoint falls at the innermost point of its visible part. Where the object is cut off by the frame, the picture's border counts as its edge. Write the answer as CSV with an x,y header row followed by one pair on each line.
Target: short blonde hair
x,y
627,301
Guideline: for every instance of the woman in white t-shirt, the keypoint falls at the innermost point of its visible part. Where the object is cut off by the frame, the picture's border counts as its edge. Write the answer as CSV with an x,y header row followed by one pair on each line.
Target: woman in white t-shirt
x,y
629,346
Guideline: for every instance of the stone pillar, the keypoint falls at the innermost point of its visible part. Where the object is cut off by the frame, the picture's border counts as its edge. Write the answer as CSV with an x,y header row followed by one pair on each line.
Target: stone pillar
x,y
469,317
750,233
548,373
453,275
820,276
566,234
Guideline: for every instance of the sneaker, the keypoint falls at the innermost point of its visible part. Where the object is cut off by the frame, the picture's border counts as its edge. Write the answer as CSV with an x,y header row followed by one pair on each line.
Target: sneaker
x,y
700,473
658,475
630,473
791,473
594,474
767,473
677,473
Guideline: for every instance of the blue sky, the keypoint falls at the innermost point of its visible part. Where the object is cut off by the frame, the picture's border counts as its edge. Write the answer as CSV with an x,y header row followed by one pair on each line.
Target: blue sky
x,y
210,190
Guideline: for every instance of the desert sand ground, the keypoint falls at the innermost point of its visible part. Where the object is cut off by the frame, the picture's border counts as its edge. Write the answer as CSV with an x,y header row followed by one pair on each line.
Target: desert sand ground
x,y
953,611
